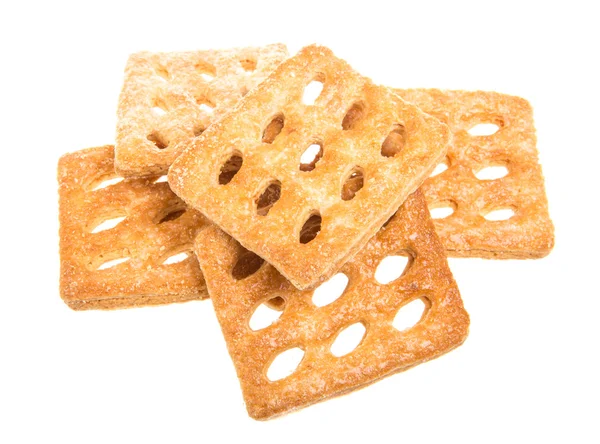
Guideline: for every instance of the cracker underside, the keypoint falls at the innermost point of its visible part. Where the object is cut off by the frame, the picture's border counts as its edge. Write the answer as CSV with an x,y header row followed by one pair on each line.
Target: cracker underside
x,y
261,142
466,232
170,97
382,351
157,226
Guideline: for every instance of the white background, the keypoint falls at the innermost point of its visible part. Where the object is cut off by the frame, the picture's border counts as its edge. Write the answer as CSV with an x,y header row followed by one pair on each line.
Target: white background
x,y
528,370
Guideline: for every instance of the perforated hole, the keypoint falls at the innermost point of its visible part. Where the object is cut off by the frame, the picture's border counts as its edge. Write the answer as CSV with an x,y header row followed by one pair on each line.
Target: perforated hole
x,y
348,339
394,142
159,141
246,265
311,228
410,314
230,168
353,116
353,184
162,72
264,315
112,263
249,65
161,179
484,129
106,183
206,71
108,224
198,130
442,210
492,172
273,129
499,214
205,105
285,364
158,111
330,291
310,157
312,91
171,214
176,258
267,199
392,267
441,167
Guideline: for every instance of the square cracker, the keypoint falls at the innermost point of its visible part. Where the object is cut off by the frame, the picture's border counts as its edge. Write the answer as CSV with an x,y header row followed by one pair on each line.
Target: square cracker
x,y
245,172
173,96
383,349
466,232
156,227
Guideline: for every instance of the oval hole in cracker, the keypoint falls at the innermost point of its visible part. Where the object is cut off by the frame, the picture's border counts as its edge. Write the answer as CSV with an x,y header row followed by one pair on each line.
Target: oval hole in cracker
x,y
499,214
230,168
348,339
441,167
273,129
246,265
106,183
393,267
205,70
312,91
176,258
442,210
159,141
484,129
394,142
492,172
170,214
268,198
249,65
285,364
108,224
311,228
310,157
410,314
112,263
353,183
353,116
329,291
264,315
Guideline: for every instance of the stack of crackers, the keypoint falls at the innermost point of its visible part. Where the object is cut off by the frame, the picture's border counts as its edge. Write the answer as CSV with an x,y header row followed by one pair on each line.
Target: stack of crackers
x,y
279,184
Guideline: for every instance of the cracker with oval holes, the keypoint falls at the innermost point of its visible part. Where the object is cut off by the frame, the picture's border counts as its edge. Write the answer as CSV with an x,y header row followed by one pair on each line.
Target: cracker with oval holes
x,y
239,282
173,96
493,185
150,248
307,217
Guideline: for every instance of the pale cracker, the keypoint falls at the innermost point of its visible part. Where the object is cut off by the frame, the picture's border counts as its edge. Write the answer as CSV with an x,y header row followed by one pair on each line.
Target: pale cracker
x,y
156,227
369,138
383,350
466,232
173,96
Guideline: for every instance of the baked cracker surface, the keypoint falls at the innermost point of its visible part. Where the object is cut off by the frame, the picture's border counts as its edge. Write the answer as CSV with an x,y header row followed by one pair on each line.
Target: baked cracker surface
x,y
383,350
529,233
157,226
246,174
170,97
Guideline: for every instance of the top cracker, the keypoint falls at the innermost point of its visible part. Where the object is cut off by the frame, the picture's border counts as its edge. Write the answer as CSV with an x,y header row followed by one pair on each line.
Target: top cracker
x,y
307,218
170,97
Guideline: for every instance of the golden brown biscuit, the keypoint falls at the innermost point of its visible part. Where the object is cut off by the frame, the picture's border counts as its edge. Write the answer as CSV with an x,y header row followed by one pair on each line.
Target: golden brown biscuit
x,y
529,233
170,97
308,217
157,227
239,282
